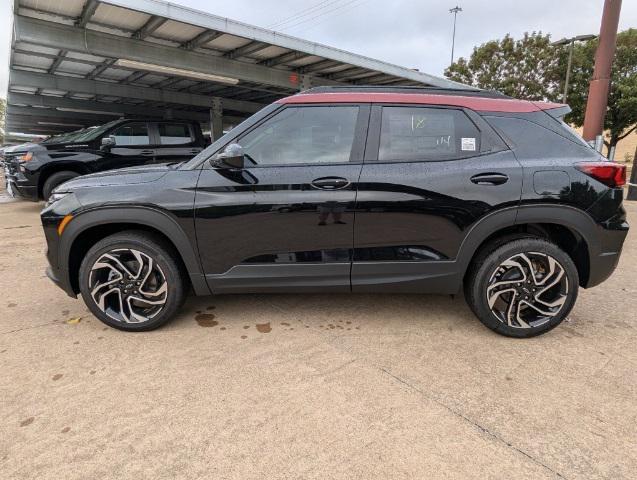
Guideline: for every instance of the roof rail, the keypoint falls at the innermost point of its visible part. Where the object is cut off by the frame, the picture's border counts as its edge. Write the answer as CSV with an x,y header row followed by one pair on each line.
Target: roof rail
x,y
469,91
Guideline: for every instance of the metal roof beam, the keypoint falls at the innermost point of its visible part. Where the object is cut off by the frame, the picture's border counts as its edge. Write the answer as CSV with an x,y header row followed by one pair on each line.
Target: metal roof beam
x,y
153,23
133,77
87,12
201,39
347,73
92,87
247,49
100,69
56,115
106,108
58,60
66,37
284,58
315,67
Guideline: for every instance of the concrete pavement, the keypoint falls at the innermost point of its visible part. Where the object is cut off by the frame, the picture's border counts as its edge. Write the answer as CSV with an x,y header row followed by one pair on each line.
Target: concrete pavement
x,y
309,386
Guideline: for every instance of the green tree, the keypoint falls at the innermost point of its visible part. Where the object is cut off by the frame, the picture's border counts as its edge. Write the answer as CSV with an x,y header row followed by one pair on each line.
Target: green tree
x,y
621,114
527,68
530,68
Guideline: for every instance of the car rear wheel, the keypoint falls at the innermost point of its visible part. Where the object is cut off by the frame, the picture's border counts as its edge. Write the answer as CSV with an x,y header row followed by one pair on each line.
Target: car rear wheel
x,y
522,288
56,179
132,281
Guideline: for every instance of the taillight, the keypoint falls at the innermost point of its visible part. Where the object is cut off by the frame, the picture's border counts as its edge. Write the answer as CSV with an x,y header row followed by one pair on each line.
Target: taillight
x,y
609,173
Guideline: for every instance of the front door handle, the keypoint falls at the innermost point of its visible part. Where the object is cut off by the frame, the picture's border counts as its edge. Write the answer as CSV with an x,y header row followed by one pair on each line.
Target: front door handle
x,y
490,179
147,152
330,183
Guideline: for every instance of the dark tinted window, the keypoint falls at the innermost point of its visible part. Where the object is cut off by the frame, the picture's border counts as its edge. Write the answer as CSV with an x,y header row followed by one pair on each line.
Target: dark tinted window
x,y
132,134
174,134
303,135
421,133
530,140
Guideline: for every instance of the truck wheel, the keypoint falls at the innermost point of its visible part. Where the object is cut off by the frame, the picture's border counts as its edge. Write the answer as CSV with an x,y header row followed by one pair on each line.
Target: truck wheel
x,y
132,281
56,179
522,288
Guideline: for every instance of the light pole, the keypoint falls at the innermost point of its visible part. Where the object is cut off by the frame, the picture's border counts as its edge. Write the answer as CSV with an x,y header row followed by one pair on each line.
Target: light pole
x,y
570,42
455,10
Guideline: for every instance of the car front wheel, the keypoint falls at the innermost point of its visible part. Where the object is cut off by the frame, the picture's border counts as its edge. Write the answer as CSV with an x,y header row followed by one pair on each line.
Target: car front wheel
x,y
522,288
131,281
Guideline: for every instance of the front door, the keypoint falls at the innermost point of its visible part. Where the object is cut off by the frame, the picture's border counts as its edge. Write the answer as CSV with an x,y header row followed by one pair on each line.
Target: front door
x,y
430,175
286,221
133,147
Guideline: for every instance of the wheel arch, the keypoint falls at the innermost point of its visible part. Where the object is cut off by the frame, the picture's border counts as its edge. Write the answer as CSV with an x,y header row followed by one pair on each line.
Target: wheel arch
x,y
91,226
571,229
61,166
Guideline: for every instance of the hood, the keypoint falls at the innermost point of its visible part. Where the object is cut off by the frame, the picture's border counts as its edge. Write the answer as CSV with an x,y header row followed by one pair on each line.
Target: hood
x,y
22,148
122,176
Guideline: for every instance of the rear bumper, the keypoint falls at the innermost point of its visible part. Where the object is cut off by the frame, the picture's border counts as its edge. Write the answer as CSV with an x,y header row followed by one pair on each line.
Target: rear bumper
x,y
604,261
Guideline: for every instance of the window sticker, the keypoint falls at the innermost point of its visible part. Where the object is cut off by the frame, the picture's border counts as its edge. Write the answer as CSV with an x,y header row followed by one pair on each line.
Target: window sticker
x,y
468,144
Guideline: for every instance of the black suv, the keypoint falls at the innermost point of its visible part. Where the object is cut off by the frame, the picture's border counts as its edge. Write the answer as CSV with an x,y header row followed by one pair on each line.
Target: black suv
x,y
33,170
353,190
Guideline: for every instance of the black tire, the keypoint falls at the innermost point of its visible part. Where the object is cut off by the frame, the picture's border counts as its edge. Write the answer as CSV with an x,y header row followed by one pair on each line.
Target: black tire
x,y
58,178
487,281
123,245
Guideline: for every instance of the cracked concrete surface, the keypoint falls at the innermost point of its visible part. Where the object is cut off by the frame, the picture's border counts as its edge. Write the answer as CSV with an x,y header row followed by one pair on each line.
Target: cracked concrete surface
x,y
327,386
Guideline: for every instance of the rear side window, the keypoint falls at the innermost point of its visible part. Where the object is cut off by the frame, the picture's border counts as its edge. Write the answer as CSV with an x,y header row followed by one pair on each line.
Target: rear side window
x,y
132,134
174,134
422,133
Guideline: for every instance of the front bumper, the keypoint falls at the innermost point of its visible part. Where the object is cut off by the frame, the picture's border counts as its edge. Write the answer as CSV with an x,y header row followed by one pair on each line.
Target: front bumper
x,y
61,280
18,185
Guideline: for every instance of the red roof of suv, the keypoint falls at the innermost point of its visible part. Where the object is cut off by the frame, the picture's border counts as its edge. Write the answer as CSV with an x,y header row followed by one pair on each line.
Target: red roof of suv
x,y
483,104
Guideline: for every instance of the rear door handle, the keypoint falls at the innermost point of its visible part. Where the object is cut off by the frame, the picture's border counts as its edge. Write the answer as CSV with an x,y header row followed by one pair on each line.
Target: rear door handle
x,y
490,179
147,152
330,183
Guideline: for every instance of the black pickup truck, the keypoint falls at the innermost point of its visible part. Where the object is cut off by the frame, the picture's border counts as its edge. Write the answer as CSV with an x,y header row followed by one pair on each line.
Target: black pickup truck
x,y
32,170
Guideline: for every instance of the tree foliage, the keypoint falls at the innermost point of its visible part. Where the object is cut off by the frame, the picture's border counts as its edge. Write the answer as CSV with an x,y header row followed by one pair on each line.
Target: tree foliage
x,y
531,68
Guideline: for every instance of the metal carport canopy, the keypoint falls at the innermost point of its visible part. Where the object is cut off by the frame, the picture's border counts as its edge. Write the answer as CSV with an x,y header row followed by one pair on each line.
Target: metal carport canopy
x,y
148,57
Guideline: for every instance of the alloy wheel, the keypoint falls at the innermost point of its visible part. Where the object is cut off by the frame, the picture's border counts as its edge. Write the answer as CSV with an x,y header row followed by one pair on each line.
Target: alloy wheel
x,y
527,290
128,286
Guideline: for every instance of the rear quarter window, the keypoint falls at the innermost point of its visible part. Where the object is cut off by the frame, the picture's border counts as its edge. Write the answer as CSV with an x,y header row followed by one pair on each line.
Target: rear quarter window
x,y
530,140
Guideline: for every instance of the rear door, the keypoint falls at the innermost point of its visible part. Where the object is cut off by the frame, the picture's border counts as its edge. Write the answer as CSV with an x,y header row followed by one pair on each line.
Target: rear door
x,y
133,147
176,142
430,174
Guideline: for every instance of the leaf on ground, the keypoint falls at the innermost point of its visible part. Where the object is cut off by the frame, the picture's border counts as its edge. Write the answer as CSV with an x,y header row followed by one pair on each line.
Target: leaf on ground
x,y
74,320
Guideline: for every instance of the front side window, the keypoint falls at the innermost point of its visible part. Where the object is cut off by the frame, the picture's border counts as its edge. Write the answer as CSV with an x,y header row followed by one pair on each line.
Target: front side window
x,y
132,134
174,134
422,133
296,135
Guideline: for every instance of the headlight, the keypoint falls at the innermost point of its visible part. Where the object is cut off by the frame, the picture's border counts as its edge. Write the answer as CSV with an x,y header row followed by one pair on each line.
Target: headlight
x,y
56,196
26,157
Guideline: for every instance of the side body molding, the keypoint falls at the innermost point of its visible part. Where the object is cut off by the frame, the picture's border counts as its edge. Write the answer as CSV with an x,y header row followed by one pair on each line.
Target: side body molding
x,y
147,216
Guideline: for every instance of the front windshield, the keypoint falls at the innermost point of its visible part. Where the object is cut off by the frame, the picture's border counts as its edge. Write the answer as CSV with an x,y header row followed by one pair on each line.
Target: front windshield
x,y
94,132
65,137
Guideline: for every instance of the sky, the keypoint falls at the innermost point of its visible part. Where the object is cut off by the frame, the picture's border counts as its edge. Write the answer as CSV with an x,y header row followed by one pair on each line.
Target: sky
x,y
409,33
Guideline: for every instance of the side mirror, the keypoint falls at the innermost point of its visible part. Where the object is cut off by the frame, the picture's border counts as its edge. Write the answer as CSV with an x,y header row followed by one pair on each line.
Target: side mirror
x,y
108,142
231,157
